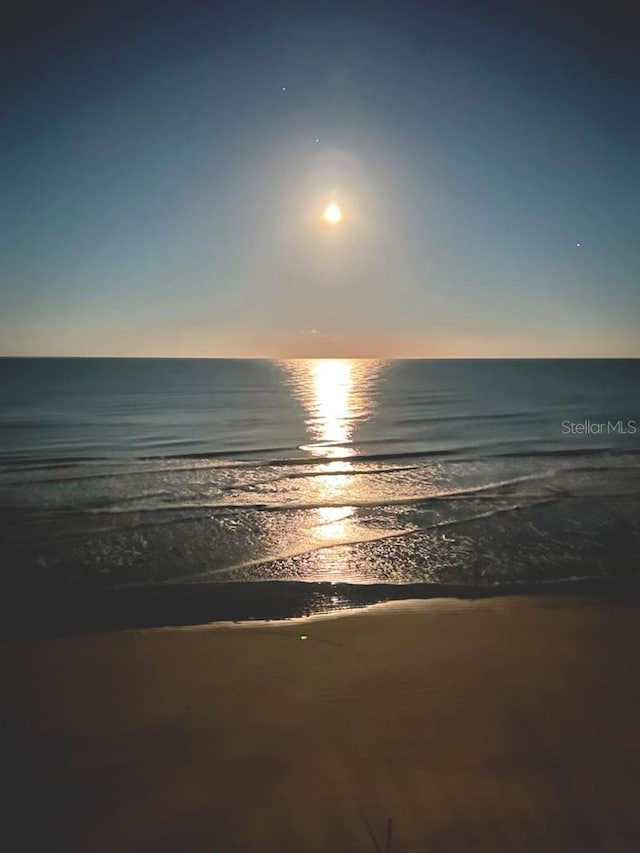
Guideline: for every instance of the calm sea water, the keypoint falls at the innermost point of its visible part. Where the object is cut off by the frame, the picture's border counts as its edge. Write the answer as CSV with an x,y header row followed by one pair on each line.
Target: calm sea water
x,y
141,472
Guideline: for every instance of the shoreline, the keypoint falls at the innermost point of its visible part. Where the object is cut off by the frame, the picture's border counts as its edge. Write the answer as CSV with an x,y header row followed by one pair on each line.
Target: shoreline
x,y
507,723
59,610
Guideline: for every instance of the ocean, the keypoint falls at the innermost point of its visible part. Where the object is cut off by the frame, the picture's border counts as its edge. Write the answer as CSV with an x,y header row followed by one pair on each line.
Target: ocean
x,y
152,491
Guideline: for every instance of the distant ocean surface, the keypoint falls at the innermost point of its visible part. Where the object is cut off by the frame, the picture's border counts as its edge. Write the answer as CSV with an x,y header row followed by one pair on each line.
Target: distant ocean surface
x,y
153,473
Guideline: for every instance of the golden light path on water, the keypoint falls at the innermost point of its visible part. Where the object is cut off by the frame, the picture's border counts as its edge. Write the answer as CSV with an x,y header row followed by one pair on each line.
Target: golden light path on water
x,y
338,395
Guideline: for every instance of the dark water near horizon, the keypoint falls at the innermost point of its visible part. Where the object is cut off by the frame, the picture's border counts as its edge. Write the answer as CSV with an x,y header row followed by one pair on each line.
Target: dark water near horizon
x,y
143,472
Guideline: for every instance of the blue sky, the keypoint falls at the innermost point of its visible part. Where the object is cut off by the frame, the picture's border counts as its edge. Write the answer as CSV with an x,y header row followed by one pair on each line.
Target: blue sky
x,y
162,194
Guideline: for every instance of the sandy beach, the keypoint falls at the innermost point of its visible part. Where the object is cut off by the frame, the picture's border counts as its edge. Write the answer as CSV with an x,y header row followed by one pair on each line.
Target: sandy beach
x,y
498,725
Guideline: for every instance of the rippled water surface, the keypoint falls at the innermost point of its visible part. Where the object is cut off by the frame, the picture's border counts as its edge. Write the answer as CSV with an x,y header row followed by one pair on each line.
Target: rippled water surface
x,y
145,471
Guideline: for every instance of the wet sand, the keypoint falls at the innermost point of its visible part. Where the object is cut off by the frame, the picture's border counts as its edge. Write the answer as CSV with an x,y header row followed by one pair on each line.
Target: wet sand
x,y
507,724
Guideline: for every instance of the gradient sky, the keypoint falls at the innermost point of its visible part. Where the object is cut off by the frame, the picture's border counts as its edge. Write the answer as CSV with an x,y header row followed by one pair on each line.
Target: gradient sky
x,y
161,193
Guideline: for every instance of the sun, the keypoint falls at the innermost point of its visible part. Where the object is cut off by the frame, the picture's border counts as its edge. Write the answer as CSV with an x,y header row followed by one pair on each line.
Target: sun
x,y
332,213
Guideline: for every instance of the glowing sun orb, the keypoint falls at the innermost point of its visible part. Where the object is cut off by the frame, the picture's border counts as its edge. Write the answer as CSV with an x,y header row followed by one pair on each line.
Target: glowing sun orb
x,y
332,214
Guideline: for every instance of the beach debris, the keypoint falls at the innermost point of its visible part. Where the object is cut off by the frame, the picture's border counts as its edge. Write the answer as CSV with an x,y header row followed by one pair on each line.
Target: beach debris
x,y
303,637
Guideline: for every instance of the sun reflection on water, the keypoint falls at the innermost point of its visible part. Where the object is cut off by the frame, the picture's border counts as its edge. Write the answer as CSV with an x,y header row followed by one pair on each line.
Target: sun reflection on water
x,y
331,409
338,396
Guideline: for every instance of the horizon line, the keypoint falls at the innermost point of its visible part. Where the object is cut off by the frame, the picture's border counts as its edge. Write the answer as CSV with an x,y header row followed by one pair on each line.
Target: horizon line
x,y
332,357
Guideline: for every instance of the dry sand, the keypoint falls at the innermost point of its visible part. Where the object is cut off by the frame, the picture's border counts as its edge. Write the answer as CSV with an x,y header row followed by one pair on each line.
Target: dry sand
x,y
499,725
